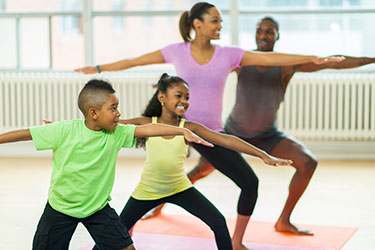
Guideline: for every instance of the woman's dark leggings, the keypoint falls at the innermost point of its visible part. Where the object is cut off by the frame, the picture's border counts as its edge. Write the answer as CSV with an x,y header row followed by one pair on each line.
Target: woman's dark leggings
x,y
235,167
193,202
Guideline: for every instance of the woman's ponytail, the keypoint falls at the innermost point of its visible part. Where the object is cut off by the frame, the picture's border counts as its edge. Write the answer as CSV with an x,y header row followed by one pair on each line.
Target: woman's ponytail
x,y
185,26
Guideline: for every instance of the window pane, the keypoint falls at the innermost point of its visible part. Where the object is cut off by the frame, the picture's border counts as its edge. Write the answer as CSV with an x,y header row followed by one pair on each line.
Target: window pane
x,y
34,43
8,58
262,4
316,34
40,5
147,5
116,38
67,43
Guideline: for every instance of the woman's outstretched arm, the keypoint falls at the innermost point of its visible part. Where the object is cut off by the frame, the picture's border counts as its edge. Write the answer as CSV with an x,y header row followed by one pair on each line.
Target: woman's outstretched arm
x,y
155,57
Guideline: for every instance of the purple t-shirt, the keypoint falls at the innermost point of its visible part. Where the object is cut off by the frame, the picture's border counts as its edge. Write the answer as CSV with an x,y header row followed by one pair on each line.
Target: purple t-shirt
x,y
206,82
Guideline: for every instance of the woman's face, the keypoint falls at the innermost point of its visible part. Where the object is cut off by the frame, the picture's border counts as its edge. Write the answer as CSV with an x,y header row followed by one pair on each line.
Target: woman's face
x,y
210,27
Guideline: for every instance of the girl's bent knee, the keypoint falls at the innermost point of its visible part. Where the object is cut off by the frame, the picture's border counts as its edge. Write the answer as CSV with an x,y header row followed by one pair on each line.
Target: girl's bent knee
x,y
218,224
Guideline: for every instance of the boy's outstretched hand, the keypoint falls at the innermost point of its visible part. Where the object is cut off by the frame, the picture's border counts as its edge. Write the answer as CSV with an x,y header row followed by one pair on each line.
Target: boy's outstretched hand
x,y
46,122
191,137
274,161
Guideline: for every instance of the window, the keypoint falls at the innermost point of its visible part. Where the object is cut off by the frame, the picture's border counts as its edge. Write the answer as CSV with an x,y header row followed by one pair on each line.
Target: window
x,y
146,25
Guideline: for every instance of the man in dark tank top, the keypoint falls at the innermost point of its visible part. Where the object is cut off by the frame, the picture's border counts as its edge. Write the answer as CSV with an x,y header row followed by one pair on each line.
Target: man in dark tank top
x,y
260,91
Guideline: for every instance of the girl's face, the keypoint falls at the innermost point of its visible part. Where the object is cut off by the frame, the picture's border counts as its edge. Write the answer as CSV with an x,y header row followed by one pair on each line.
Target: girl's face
x,y
176,100
210,27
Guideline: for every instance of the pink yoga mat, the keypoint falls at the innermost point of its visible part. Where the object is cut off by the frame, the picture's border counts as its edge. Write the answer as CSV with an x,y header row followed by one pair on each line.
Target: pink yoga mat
x,y
185,232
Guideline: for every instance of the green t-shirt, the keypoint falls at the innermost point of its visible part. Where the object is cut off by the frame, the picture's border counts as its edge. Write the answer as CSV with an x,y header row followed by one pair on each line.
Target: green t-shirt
x,y
84,164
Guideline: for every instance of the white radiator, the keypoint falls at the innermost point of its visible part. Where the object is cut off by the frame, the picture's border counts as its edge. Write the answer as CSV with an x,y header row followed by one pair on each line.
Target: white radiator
x,y
330,106
317,106
28,98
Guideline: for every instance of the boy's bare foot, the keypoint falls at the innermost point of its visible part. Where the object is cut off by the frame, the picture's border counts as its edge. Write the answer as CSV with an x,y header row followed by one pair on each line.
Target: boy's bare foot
x,y
153,212
290,228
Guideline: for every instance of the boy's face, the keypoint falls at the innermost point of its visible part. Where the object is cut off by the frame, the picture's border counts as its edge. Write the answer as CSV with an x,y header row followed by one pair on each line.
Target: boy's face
x,y
108,115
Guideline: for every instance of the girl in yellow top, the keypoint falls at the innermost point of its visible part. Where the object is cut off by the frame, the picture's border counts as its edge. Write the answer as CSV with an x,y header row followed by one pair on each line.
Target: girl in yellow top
x,y
164,179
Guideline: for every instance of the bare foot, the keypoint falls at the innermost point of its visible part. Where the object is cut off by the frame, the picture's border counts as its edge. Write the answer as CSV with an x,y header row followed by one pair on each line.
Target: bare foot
x,y
153,212
239,246
290,228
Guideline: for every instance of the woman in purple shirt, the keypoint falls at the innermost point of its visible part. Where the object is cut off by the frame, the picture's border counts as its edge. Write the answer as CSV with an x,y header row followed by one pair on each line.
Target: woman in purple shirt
x,y
205,67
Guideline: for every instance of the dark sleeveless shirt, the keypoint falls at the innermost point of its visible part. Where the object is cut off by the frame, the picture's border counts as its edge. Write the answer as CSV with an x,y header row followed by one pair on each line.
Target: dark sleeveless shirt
x,y
258,98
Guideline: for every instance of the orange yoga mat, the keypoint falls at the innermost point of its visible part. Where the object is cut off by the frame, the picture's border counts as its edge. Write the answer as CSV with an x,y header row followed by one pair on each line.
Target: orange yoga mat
x,y
325,237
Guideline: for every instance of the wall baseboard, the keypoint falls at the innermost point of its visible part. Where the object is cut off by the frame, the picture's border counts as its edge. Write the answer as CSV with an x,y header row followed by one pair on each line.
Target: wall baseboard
x,y
323,150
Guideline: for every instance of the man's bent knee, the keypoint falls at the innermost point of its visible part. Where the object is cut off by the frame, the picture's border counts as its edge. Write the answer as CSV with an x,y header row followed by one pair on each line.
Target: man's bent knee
x,y
308,166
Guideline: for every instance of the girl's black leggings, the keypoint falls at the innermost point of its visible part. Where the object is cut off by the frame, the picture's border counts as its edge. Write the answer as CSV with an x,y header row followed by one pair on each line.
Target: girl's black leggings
x,y
235,167
193,202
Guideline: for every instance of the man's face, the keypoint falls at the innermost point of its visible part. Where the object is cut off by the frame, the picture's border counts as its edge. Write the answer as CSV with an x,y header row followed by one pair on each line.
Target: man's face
x,y
266,35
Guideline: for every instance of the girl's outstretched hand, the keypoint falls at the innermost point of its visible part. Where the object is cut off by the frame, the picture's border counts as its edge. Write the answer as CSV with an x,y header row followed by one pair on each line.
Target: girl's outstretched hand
x,y
321,60
191,137
87,70
274,161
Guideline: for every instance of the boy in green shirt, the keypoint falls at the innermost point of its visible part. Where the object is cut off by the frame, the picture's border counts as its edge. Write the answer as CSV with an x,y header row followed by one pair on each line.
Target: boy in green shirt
x,y
84,159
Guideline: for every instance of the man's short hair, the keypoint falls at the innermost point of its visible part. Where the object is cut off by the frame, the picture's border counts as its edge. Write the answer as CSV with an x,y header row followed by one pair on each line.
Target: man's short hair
x,y
94,94
271,19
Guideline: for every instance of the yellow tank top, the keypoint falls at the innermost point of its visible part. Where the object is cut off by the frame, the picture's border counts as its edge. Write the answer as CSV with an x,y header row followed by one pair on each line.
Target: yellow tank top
x,y
164,173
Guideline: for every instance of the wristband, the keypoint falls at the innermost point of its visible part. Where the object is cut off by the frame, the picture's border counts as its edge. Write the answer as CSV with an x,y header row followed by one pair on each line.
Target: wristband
x,y
98,69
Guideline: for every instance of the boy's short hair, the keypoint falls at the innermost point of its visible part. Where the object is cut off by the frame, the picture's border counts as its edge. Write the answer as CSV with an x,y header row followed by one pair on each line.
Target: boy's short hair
x,y
94,94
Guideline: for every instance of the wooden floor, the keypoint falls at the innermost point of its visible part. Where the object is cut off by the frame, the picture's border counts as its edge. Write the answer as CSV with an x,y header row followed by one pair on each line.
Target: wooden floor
x,y
341,193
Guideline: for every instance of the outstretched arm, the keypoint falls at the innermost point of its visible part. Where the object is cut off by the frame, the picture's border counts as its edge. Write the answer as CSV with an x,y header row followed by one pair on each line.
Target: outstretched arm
x,y
349,62
136,121
234,143
14,136
280,59
157,129
146,59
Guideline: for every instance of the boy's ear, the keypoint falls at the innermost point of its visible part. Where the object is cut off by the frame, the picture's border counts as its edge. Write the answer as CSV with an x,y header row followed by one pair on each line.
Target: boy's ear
x,y
92,114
